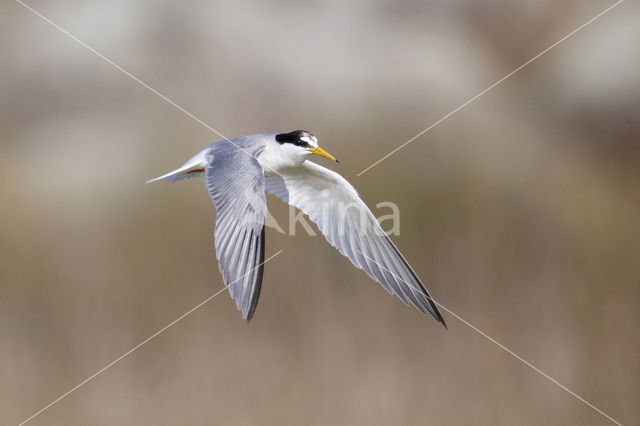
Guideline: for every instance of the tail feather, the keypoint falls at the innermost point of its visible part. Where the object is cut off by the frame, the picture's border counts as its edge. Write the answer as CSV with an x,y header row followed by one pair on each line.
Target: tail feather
x,y
188,170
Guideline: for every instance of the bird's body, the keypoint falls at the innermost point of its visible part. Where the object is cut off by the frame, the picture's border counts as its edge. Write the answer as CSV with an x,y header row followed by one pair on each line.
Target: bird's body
x,y
238,172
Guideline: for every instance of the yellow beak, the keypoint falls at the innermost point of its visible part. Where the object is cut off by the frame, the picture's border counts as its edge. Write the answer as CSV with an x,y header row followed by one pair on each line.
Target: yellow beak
x,y
322,153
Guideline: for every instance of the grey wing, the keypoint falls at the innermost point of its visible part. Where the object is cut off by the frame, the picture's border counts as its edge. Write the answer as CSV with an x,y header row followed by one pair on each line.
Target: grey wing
x,y
348,225
235,181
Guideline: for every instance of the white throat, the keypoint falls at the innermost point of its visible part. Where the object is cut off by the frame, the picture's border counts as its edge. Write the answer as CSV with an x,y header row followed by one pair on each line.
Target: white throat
x,y
276,156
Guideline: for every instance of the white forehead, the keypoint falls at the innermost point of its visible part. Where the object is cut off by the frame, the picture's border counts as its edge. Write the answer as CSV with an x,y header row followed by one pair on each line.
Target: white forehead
x,y
310,139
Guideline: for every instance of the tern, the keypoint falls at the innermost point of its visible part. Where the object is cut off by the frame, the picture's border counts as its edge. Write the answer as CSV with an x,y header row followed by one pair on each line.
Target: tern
x,y
238,171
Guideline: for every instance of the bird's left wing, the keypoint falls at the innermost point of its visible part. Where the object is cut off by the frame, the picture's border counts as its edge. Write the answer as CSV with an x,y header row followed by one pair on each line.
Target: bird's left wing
x,y
235,181
348,225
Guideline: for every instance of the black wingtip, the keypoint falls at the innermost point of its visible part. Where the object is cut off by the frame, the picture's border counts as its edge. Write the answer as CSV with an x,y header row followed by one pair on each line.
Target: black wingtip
x,y
438,315
436,312
258,283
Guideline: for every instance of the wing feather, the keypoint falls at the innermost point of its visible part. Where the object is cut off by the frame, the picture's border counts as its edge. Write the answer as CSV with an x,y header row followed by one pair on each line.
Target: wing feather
x,y
235,182
348,225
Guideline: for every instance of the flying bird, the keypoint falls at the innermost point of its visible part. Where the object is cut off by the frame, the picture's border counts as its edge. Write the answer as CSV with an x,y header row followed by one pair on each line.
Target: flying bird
x,y
238,172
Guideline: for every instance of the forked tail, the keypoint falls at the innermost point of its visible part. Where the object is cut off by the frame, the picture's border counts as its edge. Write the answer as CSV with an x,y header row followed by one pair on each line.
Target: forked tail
x,y
192,168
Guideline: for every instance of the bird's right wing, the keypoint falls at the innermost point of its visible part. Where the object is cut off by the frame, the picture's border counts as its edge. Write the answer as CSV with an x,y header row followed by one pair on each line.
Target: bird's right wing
x,y
235,182
348,225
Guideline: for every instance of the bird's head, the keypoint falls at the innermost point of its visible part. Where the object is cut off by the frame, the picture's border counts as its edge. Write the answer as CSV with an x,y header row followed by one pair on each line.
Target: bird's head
x,y
302,144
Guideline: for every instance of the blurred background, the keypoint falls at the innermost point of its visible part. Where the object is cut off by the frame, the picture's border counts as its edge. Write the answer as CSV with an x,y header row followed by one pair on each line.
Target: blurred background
x,y
520,212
